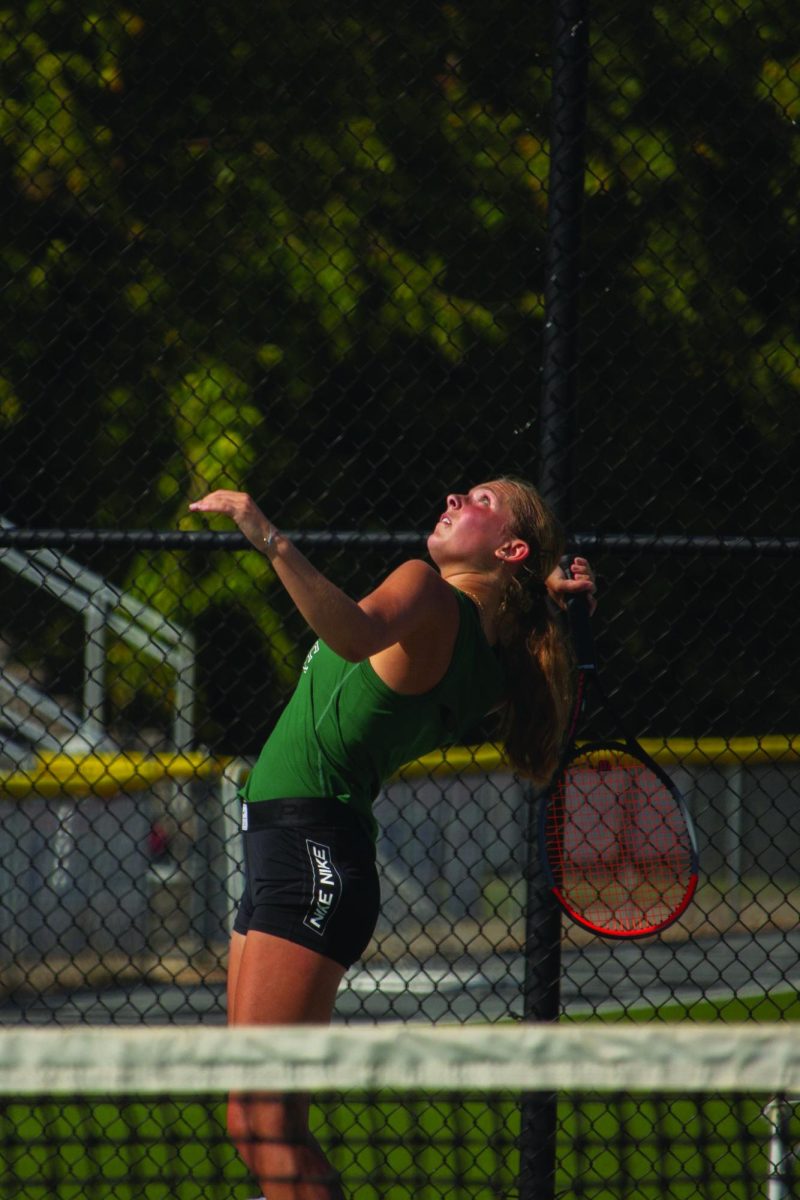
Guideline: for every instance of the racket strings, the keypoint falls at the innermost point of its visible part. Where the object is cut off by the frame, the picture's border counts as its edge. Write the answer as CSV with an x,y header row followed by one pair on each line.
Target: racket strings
x,y
619,846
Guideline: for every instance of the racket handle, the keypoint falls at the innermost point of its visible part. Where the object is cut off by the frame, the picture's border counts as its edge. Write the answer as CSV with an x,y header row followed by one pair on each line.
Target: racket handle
x,y
580,625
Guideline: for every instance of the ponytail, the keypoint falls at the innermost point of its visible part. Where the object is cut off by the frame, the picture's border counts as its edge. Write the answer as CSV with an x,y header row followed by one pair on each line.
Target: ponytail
x,y
535,652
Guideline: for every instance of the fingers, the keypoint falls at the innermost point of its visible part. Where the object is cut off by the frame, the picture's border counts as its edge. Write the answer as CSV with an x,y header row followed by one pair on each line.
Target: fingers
x,y
219,502
583,580
582,572
580,568
243,510
236,505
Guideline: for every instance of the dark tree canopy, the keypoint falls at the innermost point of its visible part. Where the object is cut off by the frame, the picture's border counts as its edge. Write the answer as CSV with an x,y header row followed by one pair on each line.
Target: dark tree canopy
x,y
300,250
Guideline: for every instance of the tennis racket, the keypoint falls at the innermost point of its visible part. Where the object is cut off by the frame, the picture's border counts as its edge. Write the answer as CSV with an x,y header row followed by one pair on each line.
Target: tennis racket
x,y
615,838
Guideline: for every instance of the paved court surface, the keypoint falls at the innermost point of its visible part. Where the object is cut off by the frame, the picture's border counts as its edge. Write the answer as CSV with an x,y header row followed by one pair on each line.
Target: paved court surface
x,y
604,977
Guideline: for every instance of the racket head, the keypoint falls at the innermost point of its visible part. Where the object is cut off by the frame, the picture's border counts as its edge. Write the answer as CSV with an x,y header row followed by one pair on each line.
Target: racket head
x,y
616,842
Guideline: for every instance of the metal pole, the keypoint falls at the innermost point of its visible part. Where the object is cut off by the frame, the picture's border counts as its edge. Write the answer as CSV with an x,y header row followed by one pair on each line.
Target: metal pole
x,y
94,668
541,1002
780,1154
229,859
557,411
185,686
557,433
734,802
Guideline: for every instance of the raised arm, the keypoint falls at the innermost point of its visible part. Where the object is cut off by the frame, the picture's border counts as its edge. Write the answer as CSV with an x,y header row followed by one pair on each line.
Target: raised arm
x,y
411,599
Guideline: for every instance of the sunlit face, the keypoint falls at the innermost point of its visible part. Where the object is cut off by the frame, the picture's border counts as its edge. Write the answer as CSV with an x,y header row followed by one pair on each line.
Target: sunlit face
x,y
473,525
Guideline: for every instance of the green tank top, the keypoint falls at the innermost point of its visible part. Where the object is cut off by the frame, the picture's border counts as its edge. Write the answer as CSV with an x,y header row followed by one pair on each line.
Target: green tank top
x,y
344,732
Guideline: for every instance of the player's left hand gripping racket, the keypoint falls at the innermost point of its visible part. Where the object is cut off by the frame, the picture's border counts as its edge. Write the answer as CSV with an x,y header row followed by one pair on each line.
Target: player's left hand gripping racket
x,y
615,837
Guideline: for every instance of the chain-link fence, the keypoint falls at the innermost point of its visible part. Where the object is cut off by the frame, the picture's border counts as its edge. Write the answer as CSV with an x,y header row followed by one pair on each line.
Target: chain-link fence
x,y
308,253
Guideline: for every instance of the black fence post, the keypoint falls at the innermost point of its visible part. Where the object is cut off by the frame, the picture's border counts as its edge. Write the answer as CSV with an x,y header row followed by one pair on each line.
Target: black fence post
x,y
557,433
558,424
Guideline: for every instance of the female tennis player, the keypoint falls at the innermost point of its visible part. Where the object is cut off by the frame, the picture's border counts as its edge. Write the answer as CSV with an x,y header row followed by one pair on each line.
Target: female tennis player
x,y
414,665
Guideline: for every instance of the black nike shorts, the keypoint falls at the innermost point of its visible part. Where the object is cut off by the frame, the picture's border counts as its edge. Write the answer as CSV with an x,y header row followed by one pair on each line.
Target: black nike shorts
x,y
309,876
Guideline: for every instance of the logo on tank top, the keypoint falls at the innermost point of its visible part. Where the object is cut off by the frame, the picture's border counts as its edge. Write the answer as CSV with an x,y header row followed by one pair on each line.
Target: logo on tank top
x,y
314,650
326,887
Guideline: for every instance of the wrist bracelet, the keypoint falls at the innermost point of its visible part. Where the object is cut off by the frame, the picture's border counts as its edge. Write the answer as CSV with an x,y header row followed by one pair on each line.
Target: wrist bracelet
x,y
270,538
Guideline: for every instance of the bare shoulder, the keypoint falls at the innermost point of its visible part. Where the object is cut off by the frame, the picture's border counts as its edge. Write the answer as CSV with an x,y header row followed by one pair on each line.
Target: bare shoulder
x,y
419,576
421,611
411,598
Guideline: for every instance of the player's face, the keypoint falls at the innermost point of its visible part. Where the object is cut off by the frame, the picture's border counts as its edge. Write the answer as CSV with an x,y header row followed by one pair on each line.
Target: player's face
x,y
473,525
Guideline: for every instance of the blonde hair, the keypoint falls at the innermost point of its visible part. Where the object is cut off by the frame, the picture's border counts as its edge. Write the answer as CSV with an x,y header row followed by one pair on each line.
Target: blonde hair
x,y
535,652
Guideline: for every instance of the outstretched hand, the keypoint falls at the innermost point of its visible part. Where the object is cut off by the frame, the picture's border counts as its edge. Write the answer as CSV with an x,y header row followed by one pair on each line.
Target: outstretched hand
x,y
561,586
242,509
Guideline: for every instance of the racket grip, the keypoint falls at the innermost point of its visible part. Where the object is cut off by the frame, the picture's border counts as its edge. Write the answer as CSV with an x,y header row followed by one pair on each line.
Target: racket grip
x,y
580,625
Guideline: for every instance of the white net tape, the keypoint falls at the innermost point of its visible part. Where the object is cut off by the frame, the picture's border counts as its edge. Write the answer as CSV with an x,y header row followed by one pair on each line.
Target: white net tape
x,y
590,1057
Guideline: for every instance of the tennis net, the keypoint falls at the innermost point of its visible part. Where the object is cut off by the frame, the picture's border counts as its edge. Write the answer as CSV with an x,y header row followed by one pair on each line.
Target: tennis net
x,y
642,1112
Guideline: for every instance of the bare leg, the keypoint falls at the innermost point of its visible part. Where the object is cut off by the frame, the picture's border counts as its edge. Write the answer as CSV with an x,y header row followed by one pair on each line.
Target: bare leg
x,y
274,982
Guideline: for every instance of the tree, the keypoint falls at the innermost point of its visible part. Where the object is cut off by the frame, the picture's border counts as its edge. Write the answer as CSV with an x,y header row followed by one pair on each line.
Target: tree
x,y
300,250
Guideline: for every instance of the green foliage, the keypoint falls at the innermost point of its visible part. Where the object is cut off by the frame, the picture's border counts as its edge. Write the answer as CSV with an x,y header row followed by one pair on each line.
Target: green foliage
x,y
300,251
54,142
